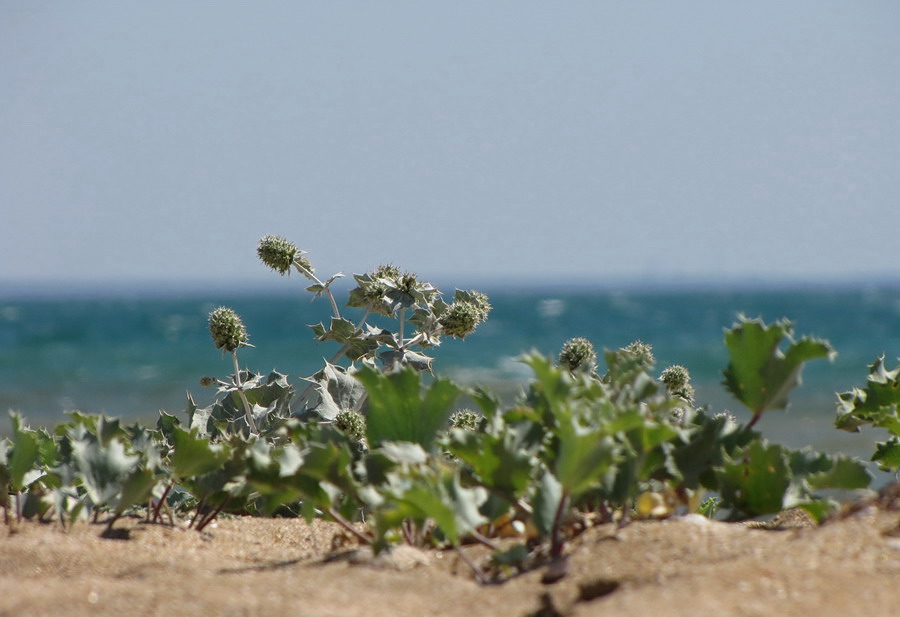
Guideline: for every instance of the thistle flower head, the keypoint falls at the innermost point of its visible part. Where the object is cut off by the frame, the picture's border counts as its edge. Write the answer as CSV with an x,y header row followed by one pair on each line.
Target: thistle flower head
x,y
227,329
677,380
578,354
352,423
460,319
386,271
280,254
376,288
407,281
642,352
466,419
480,300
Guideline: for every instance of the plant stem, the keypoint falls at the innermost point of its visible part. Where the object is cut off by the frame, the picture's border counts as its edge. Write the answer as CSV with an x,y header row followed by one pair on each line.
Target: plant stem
x,y
556,545
407,533
209,518
416,339
756,416
200,506
326,288
237,381
303,395
109,525
402,319
356,330
340,520
162,500
479,575
485,541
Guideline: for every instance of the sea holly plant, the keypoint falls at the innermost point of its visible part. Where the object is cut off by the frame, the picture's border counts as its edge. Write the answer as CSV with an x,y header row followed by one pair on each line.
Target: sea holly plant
x,y
422,317
229,334
877,405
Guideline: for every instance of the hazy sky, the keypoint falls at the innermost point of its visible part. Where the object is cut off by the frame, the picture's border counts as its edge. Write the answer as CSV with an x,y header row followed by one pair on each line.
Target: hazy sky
x,y
151,141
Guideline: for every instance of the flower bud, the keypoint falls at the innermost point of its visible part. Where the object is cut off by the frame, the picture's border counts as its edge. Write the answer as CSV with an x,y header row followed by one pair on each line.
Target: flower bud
x,y
642,352
460,319
578,354
677,380
227,329
467,419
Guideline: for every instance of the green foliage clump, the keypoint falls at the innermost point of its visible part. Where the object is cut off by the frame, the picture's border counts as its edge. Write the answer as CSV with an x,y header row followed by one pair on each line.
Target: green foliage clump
x,y
374,436
876,405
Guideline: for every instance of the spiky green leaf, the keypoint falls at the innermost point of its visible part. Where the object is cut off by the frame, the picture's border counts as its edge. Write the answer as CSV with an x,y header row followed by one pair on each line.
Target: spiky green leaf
x,y
759,373
400,411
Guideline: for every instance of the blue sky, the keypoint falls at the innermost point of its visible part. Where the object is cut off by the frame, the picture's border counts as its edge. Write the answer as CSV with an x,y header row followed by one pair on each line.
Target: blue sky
x,y
583,141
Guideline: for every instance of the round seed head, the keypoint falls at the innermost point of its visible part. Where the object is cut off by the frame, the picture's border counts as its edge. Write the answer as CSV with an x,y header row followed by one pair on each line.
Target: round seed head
x,y
377,288
466,419
460,319
480,300
280,254
677,380
227,329
578,354
352,423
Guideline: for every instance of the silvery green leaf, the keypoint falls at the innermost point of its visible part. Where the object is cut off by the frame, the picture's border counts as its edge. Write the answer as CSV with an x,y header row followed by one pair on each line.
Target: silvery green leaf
x,y
24,455
318,289
336,391
340,330
136,488
102,469
381,335
318,330
467,503
546,503
199,419
393,358
404,452
359,347
887,454
290,459
194,455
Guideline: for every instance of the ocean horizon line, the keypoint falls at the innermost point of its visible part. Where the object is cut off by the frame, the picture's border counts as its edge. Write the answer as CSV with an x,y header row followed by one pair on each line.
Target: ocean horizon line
x,y
112,288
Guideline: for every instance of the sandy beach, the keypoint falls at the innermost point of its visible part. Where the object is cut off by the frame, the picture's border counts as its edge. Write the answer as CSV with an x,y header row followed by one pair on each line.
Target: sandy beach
x,y
255,566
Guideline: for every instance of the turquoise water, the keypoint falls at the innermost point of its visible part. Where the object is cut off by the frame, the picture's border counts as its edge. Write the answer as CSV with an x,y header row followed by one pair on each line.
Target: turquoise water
x,y
133,355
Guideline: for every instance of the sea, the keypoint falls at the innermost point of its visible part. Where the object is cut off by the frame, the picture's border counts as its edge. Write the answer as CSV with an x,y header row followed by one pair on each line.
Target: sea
x,y
131,354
